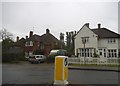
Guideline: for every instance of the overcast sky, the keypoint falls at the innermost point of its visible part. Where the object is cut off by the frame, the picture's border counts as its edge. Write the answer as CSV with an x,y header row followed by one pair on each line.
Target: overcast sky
x,y
20,17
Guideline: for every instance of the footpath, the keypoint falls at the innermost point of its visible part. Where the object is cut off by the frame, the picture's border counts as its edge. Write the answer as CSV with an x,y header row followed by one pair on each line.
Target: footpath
x,y
99,68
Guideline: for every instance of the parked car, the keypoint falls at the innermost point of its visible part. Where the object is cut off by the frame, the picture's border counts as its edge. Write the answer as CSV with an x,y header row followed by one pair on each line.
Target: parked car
x,y
54,53
37,58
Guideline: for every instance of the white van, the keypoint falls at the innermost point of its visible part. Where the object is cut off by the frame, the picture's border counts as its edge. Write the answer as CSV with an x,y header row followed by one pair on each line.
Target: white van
x,y
37,58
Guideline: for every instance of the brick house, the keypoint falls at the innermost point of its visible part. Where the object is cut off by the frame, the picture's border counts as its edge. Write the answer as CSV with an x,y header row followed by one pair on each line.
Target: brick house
x,y
20,43
40,44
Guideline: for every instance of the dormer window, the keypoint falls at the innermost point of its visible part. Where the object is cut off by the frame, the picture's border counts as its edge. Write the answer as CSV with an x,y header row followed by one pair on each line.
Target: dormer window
x,y
111,40
30,43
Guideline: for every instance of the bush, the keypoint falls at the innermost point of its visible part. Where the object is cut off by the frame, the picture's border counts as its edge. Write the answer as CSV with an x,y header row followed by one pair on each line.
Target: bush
x,y
51,59
9,57
95,55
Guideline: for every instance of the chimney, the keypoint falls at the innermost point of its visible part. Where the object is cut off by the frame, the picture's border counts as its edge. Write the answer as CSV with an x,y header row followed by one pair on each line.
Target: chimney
x,y
47,31
87,24
17,38
26,37
31,33
99,26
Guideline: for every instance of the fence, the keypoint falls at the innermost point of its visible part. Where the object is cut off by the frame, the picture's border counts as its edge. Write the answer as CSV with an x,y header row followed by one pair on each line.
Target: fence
x,y
97,61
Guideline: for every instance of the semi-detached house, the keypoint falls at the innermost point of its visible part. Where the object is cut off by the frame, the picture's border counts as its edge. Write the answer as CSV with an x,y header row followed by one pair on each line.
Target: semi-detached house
x,y
42,44
98,42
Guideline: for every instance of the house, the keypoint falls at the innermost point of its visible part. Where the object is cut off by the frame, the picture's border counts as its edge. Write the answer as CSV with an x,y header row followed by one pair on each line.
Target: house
x,y
99,42
49,42
36,44
20,43
18,46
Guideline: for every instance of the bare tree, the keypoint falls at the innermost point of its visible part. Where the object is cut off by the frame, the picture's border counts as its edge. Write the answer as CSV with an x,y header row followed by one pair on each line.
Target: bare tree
x,y
4,34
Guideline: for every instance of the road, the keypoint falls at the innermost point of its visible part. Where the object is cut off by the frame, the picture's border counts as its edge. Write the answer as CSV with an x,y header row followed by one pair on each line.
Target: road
x,y
26,73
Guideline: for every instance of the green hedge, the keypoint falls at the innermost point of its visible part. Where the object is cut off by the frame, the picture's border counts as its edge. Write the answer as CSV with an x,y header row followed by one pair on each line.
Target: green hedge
x,y
9,57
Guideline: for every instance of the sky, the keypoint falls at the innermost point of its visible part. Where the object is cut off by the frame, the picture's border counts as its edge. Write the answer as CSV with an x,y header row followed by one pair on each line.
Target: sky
x,y
59,16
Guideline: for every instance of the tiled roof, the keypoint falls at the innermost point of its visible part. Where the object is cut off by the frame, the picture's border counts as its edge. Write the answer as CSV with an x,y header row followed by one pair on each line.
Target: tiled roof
x,y
34,38
45,38
105,33
48,38
20,42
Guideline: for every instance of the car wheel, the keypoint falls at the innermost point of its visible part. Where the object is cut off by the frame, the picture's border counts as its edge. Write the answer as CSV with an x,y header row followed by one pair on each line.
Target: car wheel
x,y
31,62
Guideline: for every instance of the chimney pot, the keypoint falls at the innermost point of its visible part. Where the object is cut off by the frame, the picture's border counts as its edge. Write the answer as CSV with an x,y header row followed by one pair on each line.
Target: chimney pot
x,y
47,31
99,25
17,38
31,33
26,37
87,24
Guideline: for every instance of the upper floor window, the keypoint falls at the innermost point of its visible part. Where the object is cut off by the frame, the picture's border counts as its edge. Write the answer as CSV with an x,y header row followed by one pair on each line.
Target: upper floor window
x,y
42,46
85,40
111,40
30,43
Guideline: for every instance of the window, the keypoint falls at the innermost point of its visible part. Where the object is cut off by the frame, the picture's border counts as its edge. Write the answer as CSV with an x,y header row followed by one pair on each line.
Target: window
x,y
42,46
85,40
111,40
30,43
119,53
112,53
37,56
85,52
101,53
104,53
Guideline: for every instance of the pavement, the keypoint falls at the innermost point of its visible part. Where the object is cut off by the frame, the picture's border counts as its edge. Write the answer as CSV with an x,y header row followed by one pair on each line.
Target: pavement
x,y
99,68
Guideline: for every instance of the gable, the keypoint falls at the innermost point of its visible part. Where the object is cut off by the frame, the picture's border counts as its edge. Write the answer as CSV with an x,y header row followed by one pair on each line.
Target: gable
x,y
85,31
49,38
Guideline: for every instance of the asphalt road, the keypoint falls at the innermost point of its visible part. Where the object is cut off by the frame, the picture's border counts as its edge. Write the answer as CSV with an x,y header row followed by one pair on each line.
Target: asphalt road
x,y
26,73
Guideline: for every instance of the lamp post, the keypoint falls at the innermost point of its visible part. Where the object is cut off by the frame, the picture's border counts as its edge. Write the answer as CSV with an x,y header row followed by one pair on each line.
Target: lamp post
x,y
84,42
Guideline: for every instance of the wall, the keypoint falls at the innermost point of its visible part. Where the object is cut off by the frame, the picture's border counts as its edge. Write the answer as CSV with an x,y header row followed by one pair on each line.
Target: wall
x,y
85,32
104,43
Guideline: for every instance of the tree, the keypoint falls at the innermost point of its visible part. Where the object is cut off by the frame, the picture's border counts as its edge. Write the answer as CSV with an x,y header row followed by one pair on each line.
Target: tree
x,y
62,40
70,41
4,34
6,44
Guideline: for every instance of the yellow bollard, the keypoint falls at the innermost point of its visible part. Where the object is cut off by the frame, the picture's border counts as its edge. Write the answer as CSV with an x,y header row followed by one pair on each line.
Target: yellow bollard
x,y
61,70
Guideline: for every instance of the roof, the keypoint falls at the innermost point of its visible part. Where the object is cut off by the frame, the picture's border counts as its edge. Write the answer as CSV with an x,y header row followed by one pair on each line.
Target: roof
x,y
48,38
45,38
105,33
34,38
20,42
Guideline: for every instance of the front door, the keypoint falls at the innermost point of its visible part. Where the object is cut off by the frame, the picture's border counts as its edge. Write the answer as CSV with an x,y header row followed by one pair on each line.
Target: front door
x,y
101,53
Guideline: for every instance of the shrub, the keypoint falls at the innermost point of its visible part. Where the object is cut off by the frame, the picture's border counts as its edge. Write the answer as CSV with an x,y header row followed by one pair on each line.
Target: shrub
x,y
9,57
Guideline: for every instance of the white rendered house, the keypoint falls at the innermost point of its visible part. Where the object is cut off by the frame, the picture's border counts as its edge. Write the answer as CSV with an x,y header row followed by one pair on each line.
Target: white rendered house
x,y
98,42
